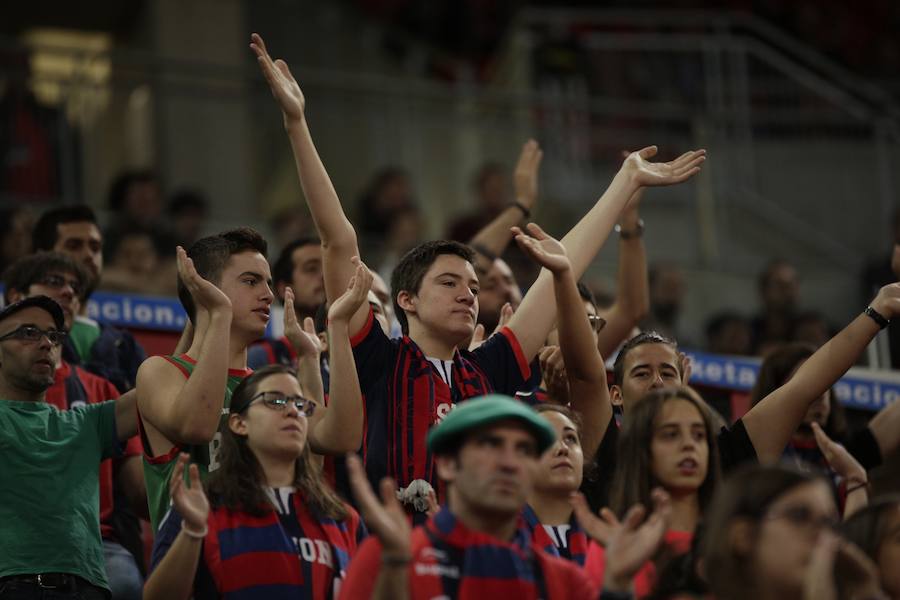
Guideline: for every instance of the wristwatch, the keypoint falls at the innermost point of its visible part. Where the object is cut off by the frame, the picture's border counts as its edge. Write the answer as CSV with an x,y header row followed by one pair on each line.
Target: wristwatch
x,y
637,232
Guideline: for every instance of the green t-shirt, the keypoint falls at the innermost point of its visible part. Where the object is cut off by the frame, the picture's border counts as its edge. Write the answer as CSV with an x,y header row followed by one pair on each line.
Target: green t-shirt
x,y
158,469
83,334
49,497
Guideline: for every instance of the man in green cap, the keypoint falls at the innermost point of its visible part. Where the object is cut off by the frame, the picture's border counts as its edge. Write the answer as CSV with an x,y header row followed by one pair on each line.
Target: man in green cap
x,y
486,451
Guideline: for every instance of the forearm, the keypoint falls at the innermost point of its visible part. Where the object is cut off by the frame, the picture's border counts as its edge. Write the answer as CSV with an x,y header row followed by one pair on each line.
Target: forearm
x,y
392,584
633,288
198,406
309,374
126,415
131,476
173,578
772,422
340,430
576,338
324,204
585,370
495,236
535,317
857,499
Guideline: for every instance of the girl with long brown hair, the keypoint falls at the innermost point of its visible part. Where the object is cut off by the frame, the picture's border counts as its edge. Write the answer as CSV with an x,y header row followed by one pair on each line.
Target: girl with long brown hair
x,y
667,441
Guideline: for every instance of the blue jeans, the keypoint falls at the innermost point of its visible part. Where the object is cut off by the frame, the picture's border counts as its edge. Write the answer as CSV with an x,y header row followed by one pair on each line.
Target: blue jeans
x,y
123,574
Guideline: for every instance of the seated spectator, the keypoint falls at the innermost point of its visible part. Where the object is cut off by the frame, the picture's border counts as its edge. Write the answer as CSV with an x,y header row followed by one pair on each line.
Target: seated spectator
x,y
769,534
15,235
388,194
876,530
136,203
728,333
62,280
187,212
268,493
811,327
136,266
50,534
493,193
667,288
779,293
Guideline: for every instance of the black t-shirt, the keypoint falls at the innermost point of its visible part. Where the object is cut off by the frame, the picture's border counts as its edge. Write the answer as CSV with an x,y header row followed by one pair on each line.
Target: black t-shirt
x,y
735,449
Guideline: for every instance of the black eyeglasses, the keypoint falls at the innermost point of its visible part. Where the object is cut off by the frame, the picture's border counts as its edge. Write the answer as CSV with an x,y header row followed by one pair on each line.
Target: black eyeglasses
x,y
597,322
30,333
278,401
58,282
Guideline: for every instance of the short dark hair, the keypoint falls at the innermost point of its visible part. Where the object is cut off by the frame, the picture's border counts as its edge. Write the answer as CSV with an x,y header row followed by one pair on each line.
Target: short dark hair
x,y
645,337
408,275
29,270
283,269
45,233
210,255
187,200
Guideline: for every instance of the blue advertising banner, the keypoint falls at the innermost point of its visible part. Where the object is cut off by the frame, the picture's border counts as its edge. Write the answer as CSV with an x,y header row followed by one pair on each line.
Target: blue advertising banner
x,y
161,313
861,388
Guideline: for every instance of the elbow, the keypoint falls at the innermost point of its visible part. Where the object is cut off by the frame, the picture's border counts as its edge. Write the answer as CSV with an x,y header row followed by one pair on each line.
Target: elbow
x,y
196,433
345,239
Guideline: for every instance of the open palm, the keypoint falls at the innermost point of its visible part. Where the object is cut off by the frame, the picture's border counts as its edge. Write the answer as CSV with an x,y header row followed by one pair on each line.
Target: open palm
x,y
283,85
204,293
303,339
647,173
542,249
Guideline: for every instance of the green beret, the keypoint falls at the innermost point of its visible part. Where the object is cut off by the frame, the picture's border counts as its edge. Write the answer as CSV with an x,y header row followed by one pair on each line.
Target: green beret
x,y
478,412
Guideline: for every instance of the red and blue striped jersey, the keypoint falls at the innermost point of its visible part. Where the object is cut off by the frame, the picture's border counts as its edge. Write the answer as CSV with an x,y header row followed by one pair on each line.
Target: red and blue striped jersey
x,y
287,553
451,561
405,396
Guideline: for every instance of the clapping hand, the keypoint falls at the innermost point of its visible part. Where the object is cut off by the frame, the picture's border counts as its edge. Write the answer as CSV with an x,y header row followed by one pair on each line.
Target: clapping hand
x,y
205,294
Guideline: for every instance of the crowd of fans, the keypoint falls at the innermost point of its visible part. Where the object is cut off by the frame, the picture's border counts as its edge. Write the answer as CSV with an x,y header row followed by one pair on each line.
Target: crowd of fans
x,y
440,436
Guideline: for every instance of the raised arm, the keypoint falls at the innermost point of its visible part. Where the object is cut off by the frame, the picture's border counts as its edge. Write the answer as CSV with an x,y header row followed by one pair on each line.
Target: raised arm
x,y
771,423
584,366
188,411
534,319
126,415
338,428
632,288
492,240
338,237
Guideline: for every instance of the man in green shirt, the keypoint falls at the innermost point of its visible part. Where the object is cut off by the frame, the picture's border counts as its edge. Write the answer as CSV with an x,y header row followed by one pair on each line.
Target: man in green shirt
x,y
49,463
